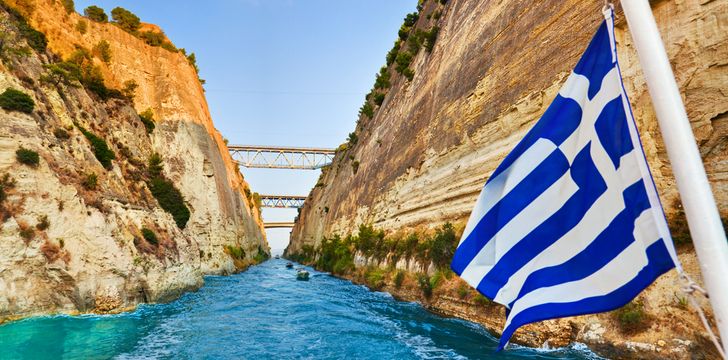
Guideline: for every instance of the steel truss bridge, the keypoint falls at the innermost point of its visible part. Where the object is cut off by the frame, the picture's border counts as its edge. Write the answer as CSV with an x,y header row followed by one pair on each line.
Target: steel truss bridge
x,y
282,201
281,157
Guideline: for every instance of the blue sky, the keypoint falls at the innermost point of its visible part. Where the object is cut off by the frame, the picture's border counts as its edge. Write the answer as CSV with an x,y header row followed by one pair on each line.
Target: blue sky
x,y
280,72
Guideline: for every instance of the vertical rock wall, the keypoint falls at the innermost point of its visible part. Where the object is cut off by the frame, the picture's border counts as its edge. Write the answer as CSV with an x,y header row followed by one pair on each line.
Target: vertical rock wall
x,y
92,256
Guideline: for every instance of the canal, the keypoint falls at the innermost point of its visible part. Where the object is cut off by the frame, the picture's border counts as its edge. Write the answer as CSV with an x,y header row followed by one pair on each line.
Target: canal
x,y
264,313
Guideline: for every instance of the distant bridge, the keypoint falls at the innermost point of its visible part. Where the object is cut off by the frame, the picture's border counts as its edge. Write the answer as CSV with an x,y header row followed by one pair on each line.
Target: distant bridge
x,y
281,157
278,225
282,201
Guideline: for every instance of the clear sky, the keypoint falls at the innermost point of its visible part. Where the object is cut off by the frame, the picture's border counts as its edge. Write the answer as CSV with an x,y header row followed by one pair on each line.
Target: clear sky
x,y
280,72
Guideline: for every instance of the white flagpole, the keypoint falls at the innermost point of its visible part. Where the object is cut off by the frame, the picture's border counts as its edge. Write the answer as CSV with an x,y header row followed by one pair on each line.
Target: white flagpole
x,y
702,214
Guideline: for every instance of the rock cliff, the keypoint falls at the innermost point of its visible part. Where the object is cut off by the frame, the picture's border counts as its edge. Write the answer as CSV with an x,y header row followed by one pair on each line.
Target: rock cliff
x,y
448,116
79,234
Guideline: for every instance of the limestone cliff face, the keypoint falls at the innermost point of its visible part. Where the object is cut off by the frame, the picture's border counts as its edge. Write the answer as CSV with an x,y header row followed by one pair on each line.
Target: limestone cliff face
x,y
92,256
495,67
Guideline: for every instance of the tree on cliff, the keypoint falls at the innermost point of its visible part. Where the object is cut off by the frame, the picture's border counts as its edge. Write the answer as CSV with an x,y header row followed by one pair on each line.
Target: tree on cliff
x,y
96,13
125,19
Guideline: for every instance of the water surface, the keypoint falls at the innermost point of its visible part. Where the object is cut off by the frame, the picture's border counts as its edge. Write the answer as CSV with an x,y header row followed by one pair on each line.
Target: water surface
x,y
264,313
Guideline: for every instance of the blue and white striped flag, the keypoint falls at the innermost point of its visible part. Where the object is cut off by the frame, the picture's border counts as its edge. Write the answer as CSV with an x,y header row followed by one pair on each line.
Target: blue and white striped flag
x,y
570,223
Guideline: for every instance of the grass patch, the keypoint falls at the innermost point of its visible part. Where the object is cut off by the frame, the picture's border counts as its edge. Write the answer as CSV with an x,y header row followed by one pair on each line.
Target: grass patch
x,y
374,278
425,284
90,182
147,118
399,278
632,318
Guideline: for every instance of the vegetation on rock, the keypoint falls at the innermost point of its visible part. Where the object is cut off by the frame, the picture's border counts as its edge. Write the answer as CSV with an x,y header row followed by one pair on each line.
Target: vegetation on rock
x,y
125,19
27,157
68,5
102,50
90,181
167,195
150,236
95,13
101,149
16,100
147,118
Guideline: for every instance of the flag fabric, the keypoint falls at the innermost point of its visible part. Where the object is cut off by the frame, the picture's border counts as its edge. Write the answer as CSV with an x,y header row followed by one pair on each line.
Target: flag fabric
x,y
570,223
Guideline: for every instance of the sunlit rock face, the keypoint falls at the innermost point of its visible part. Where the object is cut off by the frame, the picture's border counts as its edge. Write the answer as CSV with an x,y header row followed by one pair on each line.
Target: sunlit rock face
x,y
93,256
424,156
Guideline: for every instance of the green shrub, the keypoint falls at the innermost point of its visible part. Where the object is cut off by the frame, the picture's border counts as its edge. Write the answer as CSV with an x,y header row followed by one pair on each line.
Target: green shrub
x,y
154,166
632,317
36,39
150,236
411,18
90,182
382,81
170,199
61,134
463,291
374,278
399,278
6,183
26,232
82,26
125,19
15,100
379,98
147,118
27,157
392,54
101,149
403,61
425,285
409,74
235,252
355,166
68,5
481,300
65,72
43,223
103,51
95,13
352,139
442,246
367,110
129,90
431,37
153,38
260,256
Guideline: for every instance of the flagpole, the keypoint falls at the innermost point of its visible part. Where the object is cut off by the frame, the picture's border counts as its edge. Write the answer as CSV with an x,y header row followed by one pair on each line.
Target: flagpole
x,y
702,214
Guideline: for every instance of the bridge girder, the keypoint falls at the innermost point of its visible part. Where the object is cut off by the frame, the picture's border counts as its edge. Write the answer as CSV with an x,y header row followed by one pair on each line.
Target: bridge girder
x,y
281,157
282,201
278,225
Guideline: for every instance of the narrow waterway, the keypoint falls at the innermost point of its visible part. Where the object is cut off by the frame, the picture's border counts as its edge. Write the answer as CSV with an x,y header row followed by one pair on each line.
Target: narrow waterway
x,y
264,313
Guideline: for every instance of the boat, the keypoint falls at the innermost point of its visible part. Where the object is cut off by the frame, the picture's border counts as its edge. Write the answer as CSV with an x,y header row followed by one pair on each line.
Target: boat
x,y
289,265
278,256
302,275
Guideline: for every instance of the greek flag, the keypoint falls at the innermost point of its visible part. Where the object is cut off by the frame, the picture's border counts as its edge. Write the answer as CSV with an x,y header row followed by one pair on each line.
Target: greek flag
x,y
570,223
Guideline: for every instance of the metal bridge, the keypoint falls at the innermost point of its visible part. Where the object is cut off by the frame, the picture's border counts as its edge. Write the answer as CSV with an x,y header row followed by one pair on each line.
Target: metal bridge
x,y
282,201
281,157
278,225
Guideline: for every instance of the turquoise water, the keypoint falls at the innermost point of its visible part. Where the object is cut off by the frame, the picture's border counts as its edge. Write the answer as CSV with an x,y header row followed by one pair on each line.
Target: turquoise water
x,y
264,313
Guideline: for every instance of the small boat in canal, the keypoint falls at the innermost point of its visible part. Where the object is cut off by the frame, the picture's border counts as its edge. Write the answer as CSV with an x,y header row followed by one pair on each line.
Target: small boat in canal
x,y
302,275
289,265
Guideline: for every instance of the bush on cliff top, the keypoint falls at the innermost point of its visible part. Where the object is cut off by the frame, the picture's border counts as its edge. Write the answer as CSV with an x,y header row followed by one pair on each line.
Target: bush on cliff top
x,y
15,100
125,19
96,14
69,6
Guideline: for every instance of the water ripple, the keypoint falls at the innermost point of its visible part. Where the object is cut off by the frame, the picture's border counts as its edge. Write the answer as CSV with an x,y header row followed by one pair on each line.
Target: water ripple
x,y
265,313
